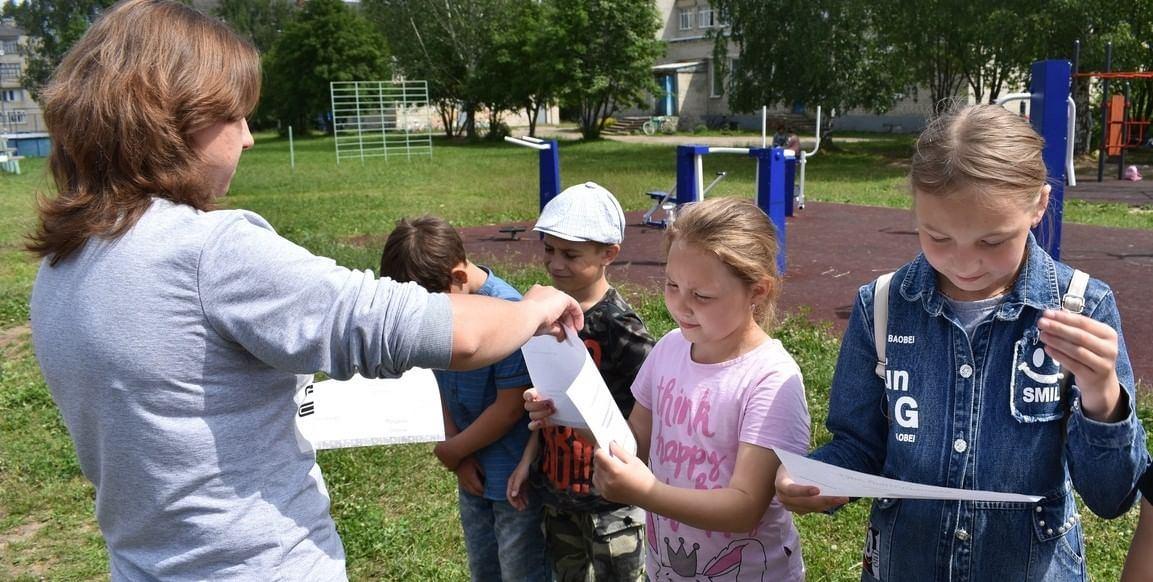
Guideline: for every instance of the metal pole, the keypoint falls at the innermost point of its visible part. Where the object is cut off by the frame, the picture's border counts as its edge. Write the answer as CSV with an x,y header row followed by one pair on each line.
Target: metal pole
x,y
1104,151
1049,115
1124,133
1073,87
291,150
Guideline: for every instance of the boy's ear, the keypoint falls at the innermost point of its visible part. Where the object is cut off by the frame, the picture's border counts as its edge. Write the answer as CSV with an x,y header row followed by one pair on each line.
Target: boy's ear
x,y
460,275
609,253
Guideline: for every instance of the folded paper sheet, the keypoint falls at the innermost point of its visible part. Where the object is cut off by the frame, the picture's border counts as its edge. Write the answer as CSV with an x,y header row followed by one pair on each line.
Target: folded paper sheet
x,y
564,372
359,412
837,482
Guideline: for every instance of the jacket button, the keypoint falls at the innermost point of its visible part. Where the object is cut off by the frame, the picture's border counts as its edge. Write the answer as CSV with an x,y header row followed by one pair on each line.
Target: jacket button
x,y
965,371
1049,531
960,445
1038,509
1041,523
962,535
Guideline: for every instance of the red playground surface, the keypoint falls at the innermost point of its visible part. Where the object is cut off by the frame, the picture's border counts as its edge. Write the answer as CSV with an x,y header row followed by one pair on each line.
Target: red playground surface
x,y
835,248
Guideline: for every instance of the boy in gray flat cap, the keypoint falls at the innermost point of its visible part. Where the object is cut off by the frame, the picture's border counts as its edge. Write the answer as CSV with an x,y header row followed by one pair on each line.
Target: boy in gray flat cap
x,y
586,534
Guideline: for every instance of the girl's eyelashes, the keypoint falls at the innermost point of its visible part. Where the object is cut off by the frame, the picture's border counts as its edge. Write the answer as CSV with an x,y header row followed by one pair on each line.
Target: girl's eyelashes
x,y
992,243
700,297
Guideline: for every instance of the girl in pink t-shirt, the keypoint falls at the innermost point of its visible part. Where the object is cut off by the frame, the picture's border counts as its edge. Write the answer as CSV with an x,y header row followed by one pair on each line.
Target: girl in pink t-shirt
x,y
714,398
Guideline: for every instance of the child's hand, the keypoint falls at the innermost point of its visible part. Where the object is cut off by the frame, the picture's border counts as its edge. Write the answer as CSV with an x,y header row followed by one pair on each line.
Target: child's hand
x,y
470,476
1088,349
559,310
444,453
539,409
517,497
621,477
802,499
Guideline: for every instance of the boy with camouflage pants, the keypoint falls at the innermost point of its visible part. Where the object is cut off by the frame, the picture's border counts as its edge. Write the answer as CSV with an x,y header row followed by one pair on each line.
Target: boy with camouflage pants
x,y
588,537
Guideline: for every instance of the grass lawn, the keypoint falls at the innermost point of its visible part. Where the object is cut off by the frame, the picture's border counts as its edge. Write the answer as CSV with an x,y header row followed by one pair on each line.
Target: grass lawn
x,y
394,506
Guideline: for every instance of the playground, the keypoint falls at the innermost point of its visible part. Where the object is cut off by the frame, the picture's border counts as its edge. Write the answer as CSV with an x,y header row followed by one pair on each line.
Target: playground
x,y
395,508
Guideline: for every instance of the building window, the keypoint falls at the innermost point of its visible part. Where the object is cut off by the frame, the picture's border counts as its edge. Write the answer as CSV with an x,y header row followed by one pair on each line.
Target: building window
x,y
17,118
10,47
10,95
706,17
9,71
716,80
687,15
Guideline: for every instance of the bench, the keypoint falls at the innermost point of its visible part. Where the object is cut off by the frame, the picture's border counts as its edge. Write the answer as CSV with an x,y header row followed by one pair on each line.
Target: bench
x,y
10,163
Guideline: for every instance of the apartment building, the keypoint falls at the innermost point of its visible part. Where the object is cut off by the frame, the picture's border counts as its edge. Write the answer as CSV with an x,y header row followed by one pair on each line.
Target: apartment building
x,y
19,113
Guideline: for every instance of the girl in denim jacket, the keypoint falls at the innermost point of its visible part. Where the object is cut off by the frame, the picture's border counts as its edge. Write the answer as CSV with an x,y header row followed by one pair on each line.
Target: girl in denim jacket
x,y
972,395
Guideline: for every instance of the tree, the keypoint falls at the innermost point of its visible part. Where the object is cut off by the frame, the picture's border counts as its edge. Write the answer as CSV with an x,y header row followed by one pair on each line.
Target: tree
x,y
52,26
261,21
525,69
607,48
822,52
325,42
442,42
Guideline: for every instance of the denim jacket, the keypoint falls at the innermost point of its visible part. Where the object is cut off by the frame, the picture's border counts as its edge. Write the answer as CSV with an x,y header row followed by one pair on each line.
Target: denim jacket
x,y
982,414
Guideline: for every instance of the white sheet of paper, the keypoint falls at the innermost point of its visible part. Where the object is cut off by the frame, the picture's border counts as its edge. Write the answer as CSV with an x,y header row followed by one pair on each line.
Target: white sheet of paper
x,y
837,482
360,412
565,373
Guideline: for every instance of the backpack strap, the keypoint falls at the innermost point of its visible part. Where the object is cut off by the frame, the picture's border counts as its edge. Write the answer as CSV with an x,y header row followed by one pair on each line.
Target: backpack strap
x,y
1074,299
881,320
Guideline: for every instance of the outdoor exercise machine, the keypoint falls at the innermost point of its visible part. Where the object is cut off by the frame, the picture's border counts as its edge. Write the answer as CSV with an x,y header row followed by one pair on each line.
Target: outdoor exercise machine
x,y
1052,113
774,184
549,171
778,194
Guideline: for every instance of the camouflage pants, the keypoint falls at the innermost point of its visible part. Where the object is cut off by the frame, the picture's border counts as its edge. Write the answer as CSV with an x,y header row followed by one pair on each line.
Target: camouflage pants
x,y
588,546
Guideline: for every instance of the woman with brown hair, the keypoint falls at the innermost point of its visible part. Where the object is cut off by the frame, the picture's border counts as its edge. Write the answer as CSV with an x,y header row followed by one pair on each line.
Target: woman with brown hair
x,y
173,337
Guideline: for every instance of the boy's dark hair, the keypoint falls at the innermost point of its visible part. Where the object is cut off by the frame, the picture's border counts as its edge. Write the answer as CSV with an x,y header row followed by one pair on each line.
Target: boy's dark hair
x,y
424,250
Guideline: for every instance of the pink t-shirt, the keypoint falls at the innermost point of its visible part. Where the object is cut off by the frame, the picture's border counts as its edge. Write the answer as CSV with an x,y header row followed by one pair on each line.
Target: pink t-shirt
x,y
701,414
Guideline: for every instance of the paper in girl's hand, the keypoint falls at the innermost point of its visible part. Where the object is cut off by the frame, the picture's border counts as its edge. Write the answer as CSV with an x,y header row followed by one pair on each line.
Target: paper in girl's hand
x,y
564,372
839,482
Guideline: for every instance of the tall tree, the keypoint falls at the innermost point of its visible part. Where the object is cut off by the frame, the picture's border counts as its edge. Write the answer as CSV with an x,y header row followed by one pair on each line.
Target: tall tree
x,y
443,42
261,21
820,52
52,26
327,41
525,68
608,49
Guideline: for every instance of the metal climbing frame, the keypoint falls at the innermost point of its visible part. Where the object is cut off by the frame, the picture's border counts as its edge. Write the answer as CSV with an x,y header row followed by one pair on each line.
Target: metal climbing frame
x,y
388,119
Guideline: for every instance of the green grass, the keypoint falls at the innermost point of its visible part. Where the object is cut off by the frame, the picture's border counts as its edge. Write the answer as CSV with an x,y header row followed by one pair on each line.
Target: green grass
x,y
394,506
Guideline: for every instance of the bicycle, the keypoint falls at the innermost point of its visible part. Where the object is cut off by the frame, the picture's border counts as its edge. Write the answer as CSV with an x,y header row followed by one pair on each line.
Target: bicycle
x,y
661,123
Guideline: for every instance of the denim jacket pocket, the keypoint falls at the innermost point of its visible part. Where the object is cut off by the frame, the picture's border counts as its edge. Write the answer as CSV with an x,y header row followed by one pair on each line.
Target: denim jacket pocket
x,y
1035,385
1058,554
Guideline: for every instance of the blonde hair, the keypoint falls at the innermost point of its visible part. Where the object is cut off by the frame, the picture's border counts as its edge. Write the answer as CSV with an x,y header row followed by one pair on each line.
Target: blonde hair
x,y
121,108
981,149
742,236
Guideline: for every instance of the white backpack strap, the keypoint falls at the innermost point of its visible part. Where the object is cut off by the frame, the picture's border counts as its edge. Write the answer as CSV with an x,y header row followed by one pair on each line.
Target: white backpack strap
x,y
881,320
1072,301
1074,298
